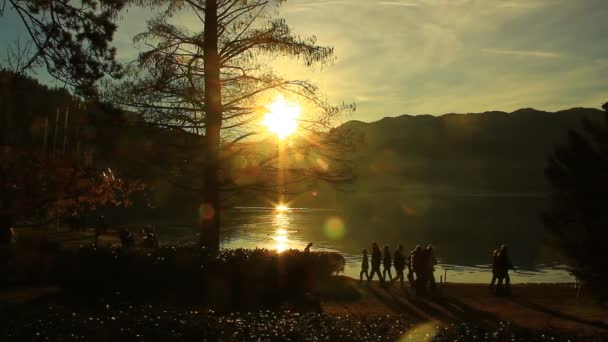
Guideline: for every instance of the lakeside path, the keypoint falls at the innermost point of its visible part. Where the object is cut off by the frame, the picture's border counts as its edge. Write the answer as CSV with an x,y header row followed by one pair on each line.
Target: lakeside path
x,y
533,306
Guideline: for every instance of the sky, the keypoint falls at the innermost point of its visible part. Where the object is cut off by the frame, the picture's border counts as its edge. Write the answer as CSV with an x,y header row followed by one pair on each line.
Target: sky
x,y
434,57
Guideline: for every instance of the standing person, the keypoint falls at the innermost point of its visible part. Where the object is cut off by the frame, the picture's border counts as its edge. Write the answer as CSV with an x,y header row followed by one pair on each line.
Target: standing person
x,y
410,270
417,263
126,238
387,262
430,262
399,262
150,240
376,260
364,266
74,221
504,265
494,268
100,228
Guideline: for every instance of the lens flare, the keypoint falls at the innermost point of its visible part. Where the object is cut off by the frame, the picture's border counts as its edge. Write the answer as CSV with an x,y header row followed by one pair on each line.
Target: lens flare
x,y
334,228
422,332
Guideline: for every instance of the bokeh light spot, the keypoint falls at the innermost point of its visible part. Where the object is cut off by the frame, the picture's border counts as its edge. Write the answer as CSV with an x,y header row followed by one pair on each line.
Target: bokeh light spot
x,y
334,228
206,212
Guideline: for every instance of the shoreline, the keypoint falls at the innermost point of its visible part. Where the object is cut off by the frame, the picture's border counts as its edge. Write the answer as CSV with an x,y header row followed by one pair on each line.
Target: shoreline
x,y
532,306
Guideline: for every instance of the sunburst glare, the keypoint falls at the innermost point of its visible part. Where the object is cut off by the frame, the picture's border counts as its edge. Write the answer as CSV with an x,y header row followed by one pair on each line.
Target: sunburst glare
x,y
282,117
281,208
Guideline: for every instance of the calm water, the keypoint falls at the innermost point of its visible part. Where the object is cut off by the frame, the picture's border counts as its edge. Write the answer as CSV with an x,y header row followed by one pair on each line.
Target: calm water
x,y
462,260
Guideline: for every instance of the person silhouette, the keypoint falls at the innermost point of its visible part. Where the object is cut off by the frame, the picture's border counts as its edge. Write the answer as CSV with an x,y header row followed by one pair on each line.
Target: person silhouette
x,y
100,228
307,249
417,265
126,238
376,260
503,266
149,237
430,262
364,266
399,262
387,262
494,268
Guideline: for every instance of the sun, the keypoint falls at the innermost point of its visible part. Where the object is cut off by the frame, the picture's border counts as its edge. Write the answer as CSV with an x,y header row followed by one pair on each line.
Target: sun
x,y
282,117
281,207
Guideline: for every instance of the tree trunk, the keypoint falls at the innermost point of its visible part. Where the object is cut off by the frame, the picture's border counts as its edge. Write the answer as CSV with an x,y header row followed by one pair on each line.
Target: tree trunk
x,y
210,208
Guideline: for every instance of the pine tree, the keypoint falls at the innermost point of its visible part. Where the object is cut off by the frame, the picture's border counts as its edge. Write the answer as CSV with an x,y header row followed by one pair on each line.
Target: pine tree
x,y
578,216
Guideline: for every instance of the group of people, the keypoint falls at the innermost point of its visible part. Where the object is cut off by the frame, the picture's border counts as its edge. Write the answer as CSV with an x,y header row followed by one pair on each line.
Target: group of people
x,y
148,237
421,267
420,264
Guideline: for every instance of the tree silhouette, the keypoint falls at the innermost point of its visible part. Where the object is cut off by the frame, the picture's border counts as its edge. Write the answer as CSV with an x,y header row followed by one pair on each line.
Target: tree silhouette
x,y
578,219
71,39
213,82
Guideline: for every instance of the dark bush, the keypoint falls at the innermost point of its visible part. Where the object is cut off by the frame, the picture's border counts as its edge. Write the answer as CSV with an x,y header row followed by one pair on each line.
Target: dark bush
x,y
236,278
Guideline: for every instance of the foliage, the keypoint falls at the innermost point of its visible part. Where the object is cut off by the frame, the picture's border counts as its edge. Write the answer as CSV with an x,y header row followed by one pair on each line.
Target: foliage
x,y
578,217
70,39
57,187
229,279
46,166
59,125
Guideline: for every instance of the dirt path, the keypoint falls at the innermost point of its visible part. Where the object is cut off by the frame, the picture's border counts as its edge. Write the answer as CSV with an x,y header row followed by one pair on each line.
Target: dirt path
x,y
533,306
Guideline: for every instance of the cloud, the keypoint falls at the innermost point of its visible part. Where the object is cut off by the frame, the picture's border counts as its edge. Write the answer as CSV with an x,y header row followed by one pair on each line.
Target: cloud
x,y
524,53
525,4
438,56
400,4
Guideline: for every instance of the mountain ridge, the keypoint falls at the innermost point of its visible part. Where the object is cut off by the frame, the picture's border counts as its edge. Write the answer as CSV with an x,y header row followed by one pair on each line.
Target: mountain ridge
x,y
525,110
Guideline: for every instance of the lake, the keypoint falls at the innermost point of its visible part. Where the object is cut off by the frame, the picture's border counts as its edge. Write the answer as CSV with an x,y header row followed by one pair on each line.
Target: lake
x,y
463,260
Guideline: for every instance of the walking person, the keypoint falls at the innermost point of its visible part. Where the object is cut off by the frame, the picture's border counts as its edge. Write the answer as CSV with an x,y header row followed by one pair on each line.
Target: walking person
x,y
410,270
417,262
430,262
399,262
376,260
364,266
387,262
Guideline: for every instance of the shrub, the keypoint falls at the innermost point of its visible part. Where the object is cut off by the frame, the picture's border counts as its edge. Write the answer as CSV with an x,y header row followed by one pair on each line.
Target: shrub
x,y
238,278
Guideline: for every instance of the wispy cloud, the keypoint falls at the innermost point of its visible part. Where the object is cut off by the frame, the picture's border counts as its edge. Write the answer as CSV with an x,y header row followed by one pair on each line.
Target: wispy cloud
x,y
399,4
524,53
527,3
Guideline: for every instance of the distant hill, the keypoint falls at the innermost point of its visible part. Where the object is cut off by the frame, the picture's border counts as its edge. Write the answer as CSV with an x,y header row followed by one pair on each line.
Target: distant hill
x,y
491,151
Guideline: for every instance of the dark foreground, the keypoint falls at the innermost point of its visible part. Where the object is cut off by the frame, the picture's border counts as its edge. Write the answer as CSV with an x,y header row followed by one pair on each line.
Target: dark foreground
x,y
345,311
155,323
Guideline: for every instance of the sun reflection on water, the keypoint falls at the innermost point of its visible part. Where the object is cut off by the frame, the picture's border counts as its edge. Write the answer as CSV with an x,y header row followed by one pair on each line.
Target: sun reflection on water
x,y
281,225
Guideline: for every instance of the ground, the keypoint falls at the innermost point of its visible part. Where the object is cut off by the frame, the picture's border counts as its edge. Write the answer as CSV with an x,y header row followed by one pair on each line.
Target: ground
x,y
535,306
532,306
538,307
